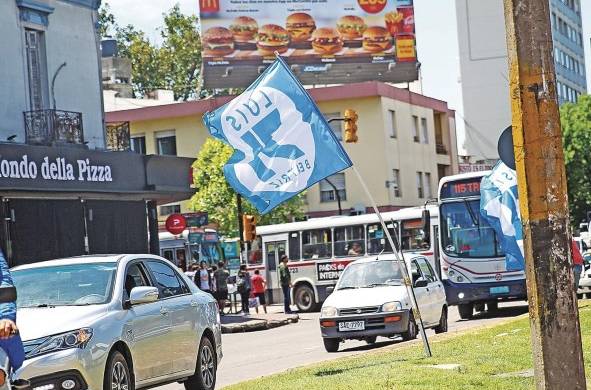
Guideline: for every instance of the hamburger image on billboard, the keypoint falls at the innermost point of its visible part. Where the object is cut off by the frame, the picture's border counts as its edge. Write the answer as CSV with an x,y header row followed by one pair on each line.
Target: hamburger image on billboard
x,y
376,39
244,29
300,26
218,41
351,27
272,38
326,41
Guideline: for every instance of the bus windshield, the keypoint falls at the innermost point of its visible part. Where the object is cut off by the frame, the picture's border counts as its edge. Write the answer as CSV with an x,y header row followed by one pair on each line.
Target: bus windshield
x,y
465,233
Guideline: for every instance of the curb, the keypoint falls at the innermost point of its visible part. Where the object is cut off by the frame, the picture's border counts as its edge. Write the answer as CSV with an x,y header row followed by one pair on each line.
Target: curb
x,y
257,325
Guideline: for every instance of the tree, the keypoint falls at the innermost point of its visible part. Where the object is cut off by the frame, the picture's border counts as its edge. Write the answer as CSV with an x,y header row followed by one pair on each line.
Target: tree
x,y
576,132
215,196
174,64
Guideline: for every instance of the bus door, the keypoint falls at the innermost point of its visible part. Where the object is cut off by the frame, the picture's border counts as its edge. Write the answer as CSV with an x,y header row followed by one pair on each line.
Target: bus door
x,y
274,250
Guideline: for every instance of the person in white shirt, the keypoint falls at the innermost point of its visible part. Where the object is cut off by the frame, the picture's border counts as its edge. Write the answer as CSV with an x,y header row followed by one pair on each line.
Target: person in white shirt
x,y
203,278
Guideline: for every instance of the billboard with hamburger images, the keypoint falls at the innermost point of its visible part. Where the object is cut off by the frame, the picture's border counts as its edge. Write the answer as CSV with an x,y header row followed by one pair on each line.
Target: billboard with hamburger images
x,y
325,41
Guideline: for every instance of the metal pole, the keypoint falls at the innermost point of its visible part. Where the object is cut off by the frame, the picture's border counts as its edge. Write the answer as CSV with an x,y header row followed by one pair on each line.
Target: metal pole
x,y
336,192
240,223
400,258
537,138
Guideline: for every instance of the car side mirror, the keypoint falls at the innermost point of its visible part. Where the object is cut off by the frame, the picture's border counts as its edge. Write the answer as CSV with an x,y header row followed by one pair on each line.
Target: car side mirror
x,y
426,222
140,295
421,282
7,294
330,289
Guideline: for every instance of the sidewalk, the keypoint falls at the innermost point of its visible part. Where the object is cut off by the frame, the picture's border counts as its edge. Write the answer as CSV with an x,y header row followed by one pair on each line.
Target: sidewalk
x,y
236,323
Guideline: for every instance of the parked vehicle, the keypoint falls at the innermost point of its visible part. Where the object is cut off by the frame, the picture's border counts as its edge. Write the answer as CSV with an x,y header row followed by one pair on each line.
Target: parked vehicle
x,y
108,322
370,300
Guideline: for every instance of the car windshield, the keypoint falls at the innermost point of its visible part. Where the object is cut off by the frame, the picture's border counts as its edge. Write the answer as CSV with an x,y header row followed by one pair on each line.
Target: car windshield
x,y
65,285
465,233
371,274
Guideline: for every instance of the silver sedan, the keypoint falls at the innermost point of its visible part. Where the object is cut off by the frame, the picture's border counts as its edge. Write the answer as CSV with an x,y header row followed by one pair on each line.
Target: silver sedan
x,y
115,322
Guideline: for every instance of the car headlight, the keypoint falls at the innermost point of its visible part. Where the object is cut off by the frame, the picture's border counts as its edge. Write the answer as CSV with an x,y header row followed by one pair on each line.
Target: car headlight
x,y
74,339
328,311
392,306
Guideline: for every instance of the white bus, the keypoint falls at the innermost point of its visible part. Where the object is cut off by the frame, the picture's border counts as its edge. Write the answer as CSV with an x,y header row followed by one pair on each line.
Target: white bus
x,y
319,249
191,247
473,262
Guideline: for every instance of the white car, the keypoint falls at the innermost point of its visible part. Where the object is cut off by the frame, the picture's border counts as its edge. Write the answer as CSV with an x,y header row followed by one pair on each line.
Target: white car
x,y
115,322
370,300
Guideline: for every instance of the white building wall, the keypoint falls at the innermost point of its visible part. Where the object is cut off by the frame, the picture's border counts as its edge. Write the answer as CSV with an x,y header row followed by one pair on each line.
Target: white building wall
x,y
70,38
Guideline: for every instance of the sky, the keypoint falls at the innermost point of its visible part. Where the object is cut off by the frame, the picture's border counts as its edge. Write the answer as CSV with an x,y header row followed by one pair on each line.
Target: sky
x,y
147,16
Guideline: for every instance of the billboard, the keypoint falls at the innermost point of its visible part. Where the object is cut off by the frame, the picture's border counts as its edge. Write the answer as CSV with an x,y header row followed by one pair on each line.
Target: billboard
x,y
324,41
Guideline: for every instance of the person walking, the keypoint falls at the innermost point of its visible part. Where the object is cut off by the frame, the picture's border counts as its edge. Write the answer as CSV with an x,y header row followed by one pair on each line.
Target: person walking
x,y
285,281
259,285
243,285
578,262
203,278
221,280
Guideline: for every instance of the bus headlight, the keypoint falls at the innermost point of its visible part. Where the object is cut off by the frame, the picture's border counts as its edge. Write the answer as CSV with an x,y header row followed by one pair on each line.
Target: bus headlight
x,y
328,311
391,306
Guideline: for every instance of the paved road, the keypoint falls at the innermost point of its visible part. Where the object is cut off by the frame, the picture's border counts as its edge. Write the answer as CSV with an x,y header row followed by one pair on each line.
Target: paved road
x,y
251,355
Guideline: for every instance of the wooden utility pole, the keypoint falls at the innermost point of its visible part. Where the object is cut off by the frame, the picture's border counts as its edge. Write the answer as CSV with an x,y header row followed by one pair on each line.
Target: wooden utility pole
x,y
537,138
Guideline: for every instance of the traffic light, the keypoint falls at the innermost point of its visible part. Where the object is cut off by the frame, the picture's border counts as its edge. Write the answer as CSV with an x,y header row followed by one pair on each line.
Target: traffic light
x,y
249,227
350,126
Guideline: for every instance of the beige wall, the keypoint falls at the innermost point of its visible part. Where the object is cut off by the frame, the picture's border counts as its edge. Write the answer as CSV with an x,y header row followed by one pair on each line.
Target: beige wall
x,y
375,155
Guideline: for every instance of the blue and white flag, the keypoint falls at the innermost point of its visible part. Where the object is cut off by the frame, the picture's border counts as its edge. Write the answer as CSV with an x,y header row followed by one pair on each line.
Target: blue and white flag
x,y
282,143
499,205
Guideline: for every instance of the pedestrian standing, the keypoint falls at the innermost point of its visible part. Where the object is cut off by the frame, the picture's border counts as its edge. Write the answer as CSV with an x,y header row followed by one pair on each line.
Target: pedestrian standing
x,y
221,280
259,285
203,277
192,271
577,263
285,280
243,284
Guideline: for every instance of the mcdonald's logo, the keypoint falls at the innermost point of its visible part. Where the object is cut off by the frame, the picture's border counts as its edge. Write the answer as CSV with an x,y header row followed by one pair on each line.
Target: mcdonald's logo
x,y
209,5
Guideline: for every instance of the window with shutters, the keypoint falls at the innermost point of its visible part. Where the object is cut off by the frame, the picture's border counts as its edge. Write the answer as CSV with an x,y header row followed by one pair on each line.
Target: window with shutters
x,y
36,69
327,191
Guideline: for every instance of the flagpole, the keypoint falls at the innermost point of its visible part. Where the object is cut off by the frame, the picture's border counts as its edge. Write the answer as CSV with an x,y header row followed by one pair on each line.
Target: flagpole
x,y
400,258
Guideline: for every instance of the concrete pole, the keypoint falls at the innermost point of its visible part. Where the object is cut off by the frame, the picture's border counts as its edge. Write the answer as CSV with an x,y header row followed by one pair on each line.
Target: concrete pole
x,y
537,138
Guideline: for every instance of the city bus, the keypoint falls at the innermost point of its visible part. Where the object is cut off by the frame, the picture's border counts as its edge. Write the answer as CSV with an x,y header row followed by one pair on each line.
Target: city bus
x,y
191,246
473,263
320,248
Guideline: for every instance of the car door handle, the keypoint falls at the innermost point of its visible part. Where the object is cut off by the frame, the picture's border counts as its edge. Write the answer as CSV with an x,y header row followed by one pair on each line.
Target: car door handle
x,y
194,303
164,311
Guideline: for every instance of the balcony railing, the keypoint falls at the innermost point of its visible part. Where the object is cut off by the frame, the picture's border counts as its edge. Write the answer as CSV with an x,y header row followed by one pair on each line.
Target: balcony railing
x,y
440,148
50,127
118,138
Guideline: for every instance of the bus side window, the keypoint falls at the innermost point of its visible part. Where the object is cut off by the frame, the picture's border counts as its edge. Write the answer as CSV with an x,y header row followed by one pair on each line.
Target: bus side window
x,y
349,241
317,244
294,246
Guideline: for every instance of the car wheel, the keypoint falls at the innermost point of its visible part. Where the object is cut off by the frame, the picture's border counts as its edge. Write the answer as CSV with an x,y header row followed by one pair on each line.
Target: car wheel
x,y
492,306
205,373
466,310
117,374
331,345
371,339
442,327
304,299
412,331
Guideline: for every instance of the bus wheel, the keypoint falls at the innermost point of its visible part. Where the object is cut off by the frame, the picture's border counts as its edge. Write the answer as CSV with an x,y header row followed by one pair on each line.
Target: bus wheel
x,y
304,298
466,310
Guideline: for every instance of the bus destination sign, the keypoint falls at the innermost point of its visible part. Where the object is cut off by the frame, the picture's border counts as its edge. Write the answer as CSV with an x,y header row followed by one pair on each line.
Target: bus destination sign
x,y
461,188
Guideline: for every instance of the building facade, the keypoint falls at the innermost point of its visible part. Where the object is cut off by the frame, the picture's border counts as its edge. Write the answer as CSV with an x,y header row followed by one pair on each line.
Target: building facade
x,y
406,143
62,191
466,65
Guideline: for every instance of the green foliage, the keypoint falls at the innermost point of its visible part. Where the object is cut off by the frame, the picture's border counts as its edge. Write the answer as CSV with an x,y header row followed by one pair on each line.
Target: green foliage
x,y
175,64
576,132
215,196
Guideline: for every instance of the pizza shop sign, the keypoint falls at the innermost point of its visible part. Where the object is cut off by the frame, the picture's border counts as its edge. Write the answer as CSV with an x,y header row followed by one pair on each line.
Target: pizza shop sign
x,y
57,169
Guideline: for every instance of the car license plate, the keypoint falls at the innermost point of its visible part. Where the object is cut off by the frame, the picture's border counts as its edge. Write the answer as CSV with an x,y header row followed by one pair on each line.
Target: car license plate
x,y
349,326
499,290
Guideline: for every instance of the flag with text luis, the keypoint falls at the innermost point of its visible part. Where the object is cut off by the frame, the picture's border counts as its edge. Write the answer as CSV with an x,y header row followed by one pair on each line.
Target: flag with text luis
x,y
499,205
282,143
